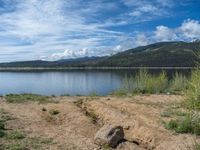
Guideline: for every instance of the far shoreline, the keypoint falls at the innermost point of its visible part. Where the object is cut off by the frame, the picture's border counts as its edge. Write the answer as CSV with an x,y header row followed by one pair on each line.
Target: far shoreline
x,y
90,68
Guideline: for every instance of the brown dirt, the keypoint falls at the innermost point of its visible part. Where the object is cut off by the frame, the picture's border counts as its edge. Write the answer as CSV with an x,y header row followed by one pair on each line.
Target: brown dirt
x,y
73,128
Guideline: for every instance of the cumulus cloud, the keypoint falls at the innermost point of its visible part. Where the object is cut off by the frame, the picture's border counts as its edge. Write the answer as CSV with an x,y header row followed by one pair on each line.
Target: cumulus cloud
x,y
164,33
69,54
190,29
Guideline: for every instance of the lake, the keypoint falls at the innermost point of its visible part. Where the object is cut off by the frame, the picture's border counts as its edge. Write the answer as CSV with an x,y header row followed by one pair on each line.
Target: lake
x,y
73,82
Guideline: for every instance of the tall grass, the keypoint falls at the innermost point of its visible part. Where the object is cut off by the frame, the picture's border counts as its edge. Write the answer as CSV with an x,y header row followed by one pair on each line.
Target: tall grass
x,y
178,83
144,82
148,83
192,93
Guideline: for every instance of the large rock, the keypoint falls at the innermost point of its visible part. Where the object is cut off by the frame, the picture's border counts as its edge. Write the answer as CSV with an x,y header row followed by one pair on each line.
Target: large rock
x,y
109,135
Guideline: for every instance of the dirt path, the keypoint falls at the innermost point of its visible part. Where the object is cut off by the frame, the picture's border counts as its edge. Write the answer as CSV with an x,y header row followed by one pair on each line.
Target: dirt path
x,y
73,128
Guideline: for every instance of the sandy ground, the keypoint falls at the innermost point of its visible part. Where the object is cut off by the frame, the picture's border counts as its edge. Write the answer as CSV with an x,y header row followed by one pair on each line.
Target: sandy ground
x,y
76,124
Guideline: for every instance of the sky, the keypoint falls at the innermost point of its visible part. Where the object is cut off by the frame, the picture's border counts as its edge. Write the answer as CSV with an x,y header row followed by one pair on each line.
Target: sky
x,y
61,29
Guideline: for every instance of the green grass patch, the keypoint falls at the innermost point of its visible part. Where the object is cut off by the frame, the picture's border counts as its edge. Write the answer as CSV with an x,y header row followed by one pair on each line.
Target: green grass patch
x,y
187,124
21,98
15,135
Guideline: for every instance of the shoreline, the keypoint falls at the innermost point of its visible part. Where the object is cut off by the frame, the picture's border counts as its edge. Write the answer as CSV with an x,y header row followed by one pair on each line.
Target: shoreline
x,y
90,68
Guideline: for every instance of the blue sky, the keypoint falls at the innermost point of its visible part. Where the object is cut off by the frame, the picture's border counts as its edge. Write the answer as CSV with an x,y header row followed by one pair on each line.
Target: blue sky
x,y
58,29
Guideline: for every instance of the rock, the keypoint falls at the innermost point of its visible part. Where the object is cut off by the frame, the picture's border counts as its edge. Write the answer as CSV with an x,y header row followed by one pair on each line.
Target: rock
x,y
109,135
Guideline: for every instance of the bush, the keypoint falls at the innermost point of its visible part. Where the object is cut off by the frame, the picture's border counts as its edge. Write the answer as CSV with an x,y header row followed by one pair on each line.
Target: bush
x,y
144,82
186,124
193,91
178,83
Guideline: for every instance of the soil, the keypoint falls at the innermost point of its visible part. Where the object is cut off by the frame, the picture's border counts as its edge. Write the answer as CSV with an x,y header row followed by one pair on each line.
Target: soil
x,y
75,120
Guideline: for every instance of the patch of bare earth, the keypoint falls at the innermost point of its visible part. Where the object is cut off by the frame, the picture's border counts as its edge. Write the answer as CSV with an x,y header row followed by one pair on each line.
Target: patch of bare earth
x,y
73,126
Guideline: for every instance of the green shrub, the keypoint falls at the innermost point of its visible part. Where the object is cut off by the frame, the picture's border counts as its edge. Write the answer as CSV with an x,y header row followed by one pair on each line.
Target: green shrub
x,y
193,91
186,124
144,82
178,83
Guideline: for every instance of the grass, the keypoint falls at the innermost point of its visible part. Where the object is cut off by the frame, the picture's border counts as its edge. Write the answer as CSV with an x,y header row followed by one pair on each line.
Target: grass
x,y
15,135
178,83
186,124
196,146
34,143
171,112
192,93
21,98
145,83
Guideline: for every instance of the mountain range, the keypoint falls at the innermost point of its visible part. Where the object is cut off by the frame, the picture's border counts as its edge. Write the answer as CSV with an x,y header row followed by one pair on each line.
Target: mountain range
x,y
163,54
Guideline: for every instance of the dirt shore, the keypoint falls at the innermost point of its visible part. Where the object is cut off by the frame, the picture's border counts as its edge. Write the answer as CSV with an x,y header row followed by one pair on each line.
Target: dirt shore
x,y
71,122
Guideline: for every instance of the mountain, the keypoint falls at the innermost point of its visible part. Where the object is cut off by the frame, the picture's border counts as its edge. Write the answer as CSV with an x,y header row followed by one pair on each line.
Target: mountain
x,y
164,54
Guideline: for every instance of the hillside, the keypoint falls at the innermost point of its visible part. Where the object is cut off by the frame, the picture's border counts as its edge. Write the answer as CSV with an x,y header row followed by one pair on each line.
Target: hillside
x,y
164,54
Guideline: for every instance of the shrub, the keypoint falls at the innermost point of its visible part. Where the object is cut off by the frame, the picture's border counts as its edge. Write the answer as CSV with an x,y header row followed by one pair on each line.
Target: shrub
x,y
186,124
144,82
193,91
178,83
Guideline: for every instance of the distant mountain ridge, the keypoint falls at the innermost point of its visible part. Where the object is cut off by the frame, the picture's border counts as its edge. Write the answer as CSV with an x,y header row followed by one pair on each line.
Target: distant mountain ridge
x,y
163,54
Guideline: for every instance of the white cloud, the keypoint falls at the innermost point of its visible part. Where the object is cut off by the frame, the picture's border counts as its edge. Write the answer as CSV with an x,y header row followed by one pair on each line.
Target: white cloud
x,y
190,29
69,54
164,33
141,40
144,10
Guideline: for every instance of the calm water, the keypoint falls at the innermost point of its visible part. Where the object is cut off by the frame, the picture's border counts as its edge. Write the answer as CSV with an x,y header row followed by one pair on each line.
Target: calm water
x,y
71,82
59,83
